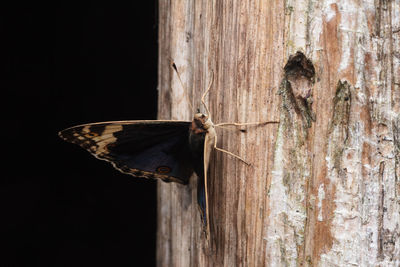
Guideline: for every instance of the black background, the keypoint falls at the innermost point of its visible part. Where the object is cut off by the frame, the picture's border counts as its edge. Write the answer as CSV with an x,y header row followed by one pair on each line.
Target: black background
x,y
69,63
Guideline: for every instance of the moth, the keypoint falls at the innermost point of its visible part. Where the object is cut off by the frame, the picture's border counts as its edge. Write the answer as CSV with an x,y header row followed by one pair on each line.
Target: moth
x,y
156,149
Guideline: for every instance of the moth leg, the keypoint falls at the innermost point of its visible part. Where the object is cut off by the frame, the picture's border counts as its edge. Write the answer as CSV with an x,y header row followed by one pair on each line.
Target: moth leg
x,y
229,153
243,124
205,93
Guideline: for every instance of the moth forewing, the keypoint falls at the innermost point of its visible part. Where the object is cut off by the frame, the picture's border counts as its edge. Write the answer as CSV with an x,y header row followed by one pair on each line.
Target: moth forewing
x,y
209,142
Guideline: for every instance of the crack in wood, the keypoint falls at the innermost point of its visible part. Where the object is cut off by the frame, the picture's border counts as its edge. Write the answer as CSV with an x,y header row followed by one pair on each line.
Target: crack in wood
x,y
296,87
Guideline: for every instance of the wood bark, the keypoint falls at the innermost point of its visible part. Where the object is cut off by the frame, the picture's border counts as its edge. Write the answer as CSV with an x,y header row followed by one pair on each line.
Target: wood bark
x,y
323,188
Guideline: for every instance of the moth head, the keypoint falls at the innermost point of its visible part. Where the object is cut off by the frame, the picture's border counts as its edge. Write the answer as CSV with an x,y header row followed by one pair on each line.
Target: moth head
x,y
201,122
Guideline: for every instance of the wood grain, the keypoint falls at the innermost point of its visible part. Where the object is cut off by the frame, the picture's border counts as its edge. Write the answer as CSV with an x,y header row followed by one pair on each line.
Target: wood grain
x,y
323,188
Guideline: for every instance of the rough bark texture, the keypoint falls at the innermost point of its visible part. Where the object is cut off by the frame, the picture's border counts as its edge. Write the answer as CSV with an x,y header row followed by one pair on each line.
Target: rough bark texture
x,y
323,188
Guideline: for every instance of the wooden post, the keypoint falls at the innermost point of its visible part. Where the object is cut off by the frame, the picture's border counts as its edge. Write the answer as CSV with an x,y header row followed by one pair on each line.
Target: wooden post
x,y
324,186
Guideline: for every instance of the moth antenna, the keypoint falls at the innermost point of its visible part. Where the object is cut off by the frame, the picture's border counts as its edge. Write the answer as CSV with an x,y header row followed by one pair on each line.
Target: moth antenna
x,y
180,81
205,93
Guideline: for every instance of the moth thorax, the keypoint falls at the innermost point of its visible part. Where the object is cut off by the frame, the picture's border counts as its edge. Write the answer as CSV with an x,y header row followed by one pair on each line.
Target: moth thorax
x,y
201,123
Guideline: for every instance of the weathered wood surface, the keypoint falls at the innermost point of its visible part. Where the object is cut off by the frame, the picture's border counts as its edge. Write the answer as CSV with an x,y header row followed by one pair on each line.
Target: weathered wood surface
x,y
323,188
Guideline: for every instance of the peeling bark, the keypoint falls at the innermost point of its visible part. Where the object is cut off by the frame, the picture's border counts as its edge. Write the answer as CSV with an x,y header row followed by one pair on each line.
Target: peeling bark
x,y
324,185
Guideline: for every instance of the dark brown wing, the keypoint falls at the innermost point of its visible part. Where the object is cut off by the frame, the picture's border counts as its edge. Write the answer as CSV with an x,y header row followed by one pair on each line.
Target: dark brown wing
x,y
149,149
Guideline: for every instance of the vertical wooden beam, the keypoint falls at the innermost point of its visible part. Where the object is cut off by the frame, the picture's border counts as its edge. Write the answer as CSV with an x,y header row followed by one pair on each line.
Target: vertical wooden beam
x,y
323,188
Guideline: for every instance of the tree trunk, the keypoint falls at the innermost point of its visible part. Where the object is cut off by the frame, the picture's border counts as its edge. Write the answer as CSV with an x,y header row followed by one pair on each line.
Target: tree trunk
x,y
323,188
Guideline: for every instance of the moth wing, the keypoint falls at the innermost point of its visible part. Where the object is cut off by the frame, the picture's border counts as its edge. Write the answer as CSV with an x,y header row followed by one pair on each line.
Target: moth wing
x,y
208,146
149,149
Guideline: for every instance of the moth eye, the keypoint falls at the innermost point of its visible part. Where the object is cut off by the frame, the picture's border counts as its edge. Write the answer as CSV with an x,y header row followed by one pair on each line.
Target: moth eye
x,y
163,169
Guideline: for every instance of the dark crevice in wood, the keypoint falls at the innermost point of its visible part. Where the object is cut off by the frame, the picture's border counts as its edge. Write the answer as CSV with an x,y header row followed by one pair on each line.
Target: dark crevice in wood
x,y
296,87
